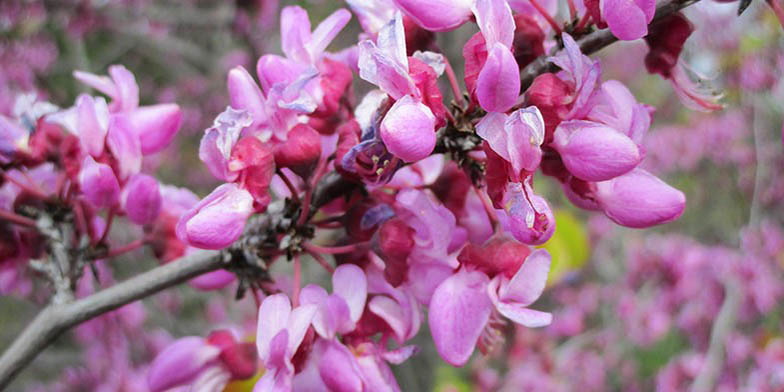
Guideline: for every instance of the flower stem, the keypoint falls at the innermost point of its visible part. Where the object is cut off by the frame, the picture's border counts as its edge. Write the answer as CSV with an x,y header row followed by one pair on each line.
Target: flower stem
x,y
450,74
547,16
289,184
16,218
297,279
332,250
126,248
320,259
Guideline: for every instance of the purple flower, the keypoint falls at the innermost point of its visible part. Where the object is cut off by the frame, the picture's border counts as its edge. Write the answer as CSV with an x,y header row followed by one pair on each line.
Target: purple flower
x,y
628,19
462,305
182,362
408,129
517,138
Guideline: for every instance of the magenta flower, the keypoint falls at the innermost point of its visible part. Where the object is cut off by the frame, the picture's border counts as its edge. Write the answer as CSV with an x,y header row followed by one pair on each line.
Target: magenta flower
x,y
218,219
628,19
202,364
462,304
154,126
408,129
98,183
280,333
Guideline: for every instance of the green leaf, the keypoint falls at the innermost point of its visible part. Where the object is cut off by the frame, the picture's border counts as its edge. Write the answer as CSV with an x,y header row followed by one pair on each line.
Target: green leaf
x,y
568,246
449,379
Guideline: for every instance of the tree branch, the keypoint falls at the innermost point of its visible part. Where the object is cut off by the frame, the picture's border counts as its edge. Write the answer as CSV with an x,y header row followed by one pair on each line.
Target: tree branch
x,y
56,319
595,41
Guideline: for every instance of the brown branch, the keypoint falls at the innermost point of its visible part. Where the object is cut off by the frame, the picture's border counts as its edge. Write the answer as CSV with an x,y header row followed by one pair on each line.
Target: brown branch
x,y
595,41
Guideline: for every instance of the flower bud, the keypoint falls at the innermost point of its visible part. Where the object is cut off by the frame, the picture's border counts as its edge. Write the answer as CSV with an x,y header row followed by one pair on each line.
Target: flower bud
x,y
497,256
528,216
141,199
551,95
666,41
595,152
528,41
98,183
301,150
639,199
218,220
437,15
408,130
498,83
239,358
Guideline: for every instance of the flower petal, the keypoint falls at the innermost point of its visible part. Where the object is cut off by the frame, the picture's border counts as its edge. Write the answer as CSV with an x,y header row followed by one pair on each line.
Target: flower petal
x,y
408,130
529,281
349,282
459,311
498,84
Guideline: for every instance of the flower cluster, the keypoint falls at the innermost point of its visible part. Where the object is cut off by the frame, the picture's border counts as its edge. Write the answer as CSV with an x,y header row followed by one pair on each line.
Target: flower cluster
x,y
421,210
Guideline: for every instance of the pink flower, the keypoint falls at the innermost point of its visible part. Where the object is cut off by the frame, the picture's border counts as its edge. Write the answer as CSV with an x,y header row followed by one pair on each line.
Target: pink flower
x,y
462,304
280,332
594,152
338,313
639,199
628,19
98,183
202,364
141,199
408,129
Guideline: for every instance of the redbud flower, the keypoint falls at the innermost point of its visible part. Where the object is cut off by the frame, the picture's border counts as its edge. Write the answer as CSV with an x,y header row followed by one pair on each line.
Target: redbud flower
x,y
281,330
218,219
628,20
594,152
141,199
338,312
98,183
461,306
408,130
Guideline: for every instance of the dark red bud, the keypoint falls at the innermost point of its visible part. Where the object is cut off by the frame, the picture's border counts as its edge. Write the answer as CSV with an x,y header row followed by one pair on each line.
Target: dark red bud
x,y
395,239
528,41
497,256
417,38
666,40
551,95
301,150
